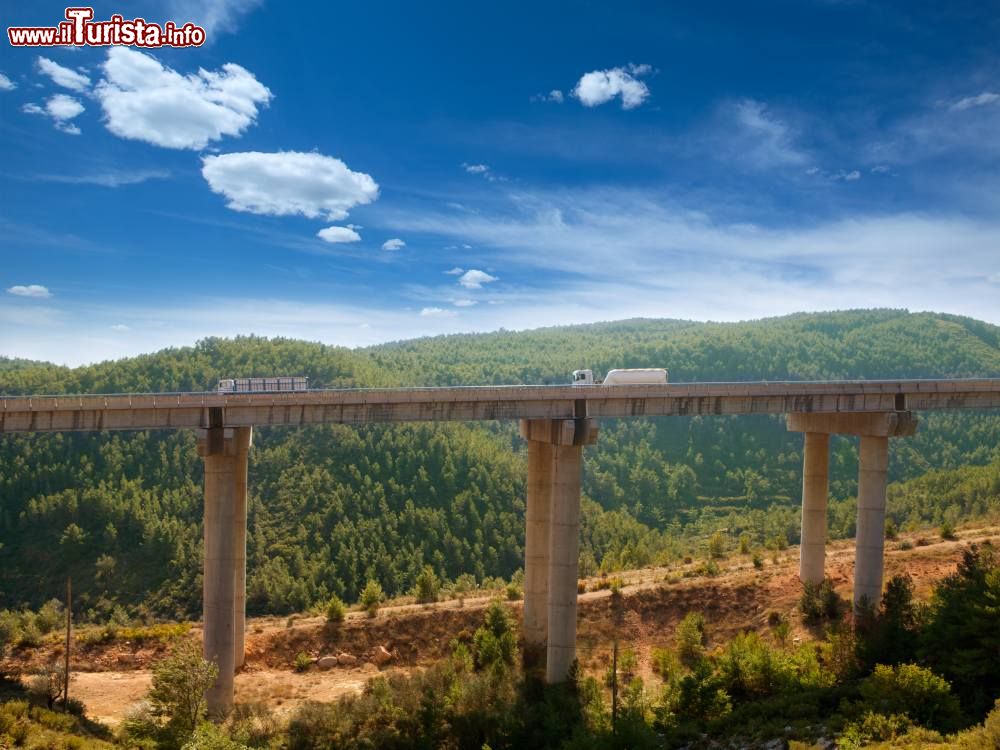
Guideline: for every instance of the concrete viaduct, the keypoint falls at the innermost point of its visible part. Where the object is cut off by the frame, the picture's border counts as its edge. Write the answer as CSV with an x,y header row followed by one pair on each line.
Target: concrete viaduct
x,y
557,422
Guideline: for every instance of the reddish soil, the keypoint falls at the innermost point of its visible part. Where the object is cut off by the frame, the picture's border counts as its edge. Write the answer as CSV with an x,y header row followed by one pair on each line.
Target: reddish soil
x,y
112,677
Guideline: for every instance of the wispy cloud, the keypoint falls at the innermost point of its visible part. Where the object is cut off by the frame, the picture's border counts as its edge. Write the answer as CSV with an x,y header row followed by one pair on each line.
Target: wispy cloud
x,y
105,178
987,97
393,244
61,109
63,76
6,84
37,291
215,16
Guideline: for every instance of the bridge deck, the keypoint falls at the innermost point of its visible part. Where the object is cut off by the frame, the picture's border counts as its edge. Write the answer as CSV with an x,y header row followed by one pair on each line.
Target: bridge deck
x,y
357,406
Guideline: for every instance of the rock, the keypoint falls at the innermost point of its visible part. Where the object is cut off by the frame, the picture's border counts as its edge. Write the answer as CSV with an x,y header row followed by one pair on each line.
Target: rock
x,y
347,660
382,656
369,667
327,662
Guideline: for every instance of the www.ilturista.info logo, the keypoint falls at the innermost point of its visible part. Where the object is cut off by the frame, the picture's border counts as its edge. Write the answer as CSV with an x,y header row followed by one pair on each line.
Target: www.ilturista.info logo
x,y
80,29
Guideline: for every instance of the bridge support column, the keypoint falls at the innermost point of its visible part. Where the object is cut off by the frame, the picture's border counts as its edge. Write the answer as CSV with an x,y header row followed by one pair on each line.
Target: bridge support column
x,y
536,552
873,472
875,429
815,489
225,454
552,553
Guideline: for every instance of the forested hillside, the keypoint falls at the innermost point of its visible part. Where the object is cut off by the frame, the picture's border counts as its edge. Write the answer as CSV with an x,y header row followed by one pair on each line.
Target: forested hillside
x,y
333,506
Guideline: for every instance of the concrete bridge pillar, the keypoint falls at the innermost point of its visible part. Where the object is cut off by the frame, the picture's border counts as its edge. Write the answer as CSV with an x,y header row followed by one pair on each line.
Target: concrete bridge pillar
x,y
873,471
225,454
874,429
815,489
536,551
552,538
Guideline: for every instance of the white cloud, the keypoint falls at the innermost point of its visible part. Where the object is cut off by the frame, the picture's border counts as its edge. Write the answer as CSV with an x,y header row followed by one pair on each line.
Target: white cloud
x,y
111,178
287,183
6,84
215,16
393,244
463,302
61,109
555,95
30,290
476,168
120,327
338,234
456,271
851,176
987,97
474,279
147,101
600,86
760,139
436,312
627,253
63,76
880,169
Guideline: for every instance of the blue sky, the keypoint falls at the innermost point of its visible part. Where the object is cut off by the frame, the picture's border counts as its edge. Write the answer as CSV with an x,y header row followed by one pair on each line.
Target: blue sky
x,y
363,172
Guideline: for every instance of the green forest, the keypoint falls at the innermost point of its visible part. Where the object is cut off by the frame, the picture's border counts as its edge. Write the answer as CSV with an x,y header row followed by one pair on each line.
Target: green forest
x,y
333,506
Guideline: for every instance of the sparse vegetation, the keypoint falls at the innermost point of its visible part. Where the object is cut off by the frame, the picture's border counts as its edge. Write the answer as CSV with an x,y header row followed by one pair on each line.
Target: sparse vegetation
x,y
336,611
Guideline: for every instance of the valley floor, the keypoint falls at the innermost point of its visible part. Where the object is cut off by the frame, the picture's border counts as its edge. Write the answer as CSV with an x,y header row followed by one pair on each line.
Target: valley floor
x,y
111,678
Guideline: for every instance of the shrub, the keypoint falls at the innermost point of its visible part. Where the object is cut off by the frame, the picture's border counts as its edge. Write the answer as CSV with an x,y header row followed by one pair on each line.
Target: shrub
x,y
48,683
372,597
495,642
702,696
513,591
178,691
820,602
50,616
891,532
210,737
710,568
873,727
666,663
717,546
335,610
302,662
691,639
744,543
905,545
427,587
914,691
758,559
948,531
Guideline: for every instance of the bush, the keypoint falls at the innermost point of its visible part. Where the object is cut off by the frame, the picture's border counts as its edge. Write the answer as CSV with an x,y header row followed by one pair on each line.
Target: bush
x,y
513,592
335,610
691,639
302,662
372,597
427,587
891,532
177,696
820,602
210,737
948,531
744,543
758,560
914,691
873,727
495,642
717,546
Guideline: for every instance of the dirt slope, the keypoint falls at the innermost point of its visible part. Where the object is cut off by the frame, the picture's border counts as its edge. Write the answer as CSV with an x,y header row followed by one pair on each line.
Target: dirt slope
x,y
112,677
